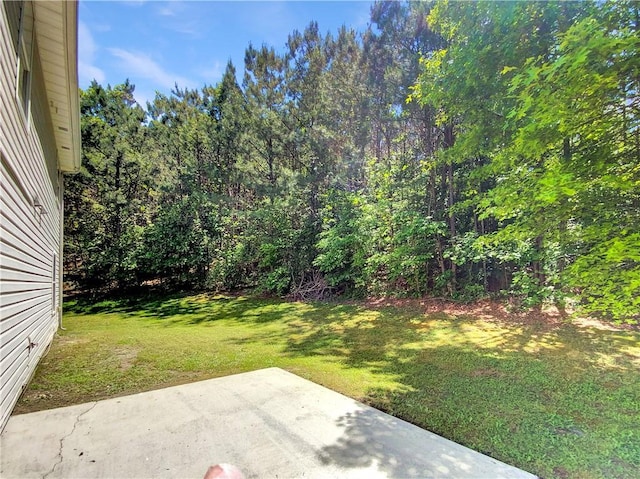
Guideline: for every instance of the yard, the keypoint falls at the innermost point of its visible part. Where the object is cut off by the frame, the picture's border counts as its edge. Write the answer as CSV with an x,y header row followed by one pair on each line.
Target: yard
x,y
557,399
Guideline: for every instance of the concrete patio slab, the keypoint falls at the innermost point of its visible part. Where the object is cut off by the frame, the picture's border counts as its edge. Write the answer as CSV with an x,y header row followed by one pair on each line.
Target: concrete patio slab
x,y
269,423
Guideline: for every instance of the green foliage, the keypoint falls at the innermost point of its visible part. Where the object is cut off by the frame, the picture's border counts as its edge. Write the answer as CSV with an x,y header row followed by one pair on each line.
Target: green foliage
x,y
178,245
342,242
608,278
454,149
560,132
105,205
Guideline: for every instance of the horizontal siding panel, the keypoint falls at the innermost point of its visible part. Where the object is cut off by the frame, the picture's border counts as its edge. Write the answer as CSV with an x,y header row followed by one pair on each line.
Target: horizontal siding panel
x,y
31,167
16,357
25,245
18,338
45,192
17,360
7,76
43,183
12,392
14,264
25,217
9,367
28,184
43,337
23,209
22,310
14,325
8,52
13,275
10,253
19,379
9,240
40,318
8,287
11,299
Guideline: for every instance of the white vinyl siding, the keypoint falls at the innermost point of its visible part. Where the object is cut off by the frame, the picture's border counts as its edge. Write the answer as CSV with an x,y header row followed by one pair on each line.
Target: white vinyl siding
x,y
29,235
25,57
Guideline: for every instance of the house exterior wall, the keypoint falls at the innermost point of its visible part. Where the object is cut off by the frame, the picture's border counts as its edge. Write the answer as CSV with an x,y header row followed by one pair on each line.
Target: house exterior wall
x,y
30,220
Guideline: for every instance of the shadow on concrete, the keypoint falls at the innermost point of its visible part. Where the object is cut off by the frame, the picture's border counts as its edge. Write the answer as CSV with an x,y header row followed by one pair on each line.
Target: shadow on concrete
x,y
369,442
381,442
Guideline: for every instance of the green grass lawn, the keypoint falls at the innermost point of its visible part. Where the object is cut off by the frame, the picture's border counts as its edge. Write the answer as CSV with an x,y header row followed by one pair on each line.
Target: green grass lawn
x,y
556,399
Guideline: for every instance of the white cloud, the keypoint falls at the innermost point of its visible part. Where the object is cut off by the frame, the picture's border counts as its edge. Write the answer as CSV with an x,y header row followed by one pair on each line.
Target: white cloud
x,y
267,21
136,64
179,18
186,28
166,12
101,27
134,3
143,96
362,18
214,73
87,70
88,73
170,8
86,45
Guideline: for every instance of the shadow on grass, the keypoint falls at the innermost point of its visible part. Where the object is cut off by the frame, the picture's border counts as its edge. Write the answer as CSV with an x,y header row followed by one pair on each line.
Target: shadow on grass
x,y
360,337
187,308
559,400
552,399
532,411
160,305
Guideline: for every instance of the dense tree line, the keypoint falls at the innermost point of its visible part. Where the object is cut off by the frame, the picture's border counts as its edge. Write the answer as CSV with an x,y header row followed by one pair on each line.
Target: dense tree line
x,y
454,149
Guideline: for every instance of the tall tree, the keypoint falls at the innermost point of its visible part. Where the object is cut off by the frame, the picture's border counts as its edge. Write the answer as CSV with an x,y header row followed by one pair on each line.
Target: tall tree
x,y
265,90
578,114
105,204
513,168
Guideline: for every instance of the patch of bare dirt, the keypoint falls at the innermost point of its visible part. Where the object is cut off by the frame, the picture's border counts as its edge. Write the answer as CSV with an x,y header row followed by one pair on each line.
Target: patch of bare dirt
x,y
69,340
560,472
126,357
486,373
494,310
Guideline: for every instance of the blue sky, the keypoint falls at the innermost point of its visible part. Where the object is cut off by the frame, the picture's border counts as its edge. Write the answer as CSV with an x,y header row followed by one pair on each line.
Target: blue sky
x,y
158,43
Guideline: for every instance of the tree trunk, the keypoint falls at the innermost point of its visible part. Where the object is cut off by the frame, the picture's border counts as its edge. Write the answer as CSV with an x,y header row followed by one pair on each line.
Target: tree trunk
x,y
449,140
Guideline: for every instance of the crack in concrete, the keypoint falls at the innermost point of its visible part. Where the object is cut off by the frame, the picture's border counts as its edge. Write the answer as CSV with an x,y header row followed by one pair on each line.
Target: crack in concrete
x,y
62,439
